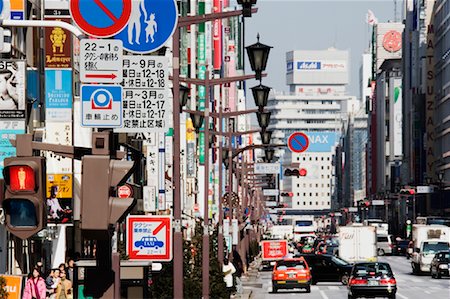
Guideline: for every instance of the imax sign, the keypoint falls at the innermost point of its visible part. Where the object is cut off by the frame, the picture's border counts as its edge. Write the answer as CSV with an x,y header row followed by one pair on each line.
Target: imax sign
x,y
309,65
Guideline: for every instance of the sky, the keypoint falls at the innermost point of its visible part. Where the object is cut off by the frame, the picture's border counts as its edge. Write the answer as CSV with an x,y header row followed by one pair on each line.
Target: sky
x,y
314,25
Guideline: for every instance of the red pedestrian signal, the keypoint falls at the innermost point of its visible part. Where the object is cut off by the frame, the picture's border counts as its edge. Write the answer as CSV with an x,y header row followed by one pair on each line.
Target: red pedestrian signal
x,y
25,201
302,172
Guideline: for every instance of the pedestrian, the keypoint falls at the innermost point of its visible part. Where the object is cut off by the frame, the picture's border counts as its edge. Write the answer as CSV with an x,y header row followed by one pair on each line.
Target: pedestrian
x,y
64,289
70,264
239,266
35,286
228,271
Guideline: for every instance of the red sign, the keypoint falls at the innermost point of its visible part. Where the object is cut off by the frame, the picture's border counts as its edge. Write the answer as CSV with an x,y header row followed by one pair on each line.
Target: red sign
x,y
107,23
274,250
298,142
124,191
217,36
392,41
21,178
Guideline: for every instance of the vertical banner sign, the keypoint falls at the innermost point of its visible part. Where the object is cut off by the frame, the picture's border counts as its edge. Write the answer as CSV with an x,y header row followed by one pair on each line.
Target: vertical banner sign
x,y
8,130
217,36
235,229
190,149
12,89
152,173
58,133
396,115
168,174
201,58
58,45
58,95
146,104
430,104
161,172
59,198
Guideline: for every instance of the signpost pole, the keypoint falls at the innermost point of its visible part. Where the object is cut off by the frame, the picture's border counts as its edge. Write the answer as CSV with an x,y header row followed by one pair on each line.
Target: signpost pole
x,y
205,247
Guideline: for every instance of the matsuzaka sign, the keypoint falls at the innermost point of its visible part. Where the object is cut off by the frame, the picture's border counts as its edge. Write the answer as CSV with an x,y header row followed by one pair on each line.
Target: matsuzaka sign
x,y
274,249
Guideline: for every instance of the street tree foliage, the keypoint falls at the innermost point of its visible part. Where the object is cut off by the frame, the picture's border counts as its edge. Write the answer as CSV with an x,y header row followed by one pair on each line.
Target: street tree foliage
x,y
162,282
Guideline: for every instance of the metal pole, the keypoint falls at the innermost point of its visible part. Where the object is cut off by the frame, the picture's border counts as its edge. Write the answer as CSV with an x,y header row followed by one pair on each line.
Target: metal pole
x,y
177,235
414,208
220,230
205,247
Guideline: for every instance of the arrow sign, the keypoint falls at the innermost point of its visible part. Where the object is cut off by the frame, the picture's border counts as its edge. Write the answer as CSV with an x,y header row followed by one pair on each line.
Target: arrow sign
x,y
101,76
149,238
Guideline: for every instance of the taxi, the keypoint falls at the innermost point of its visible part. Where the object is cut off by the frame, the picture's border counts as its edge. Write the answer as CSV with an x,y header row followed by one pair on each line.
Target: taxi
x,y
291,273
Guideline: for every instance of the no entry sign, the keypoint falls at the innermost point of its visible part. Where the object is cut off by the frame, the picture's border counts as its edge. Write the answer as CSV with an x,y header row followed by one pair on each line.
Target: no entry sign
x,y
101,18
298,142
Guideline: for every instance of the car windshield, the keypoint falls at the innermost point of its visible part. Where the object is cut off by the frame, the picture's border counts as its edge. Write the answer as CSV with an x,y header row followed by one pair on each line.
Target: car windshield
x,y
303,223
283,265
339,261
372,269
434,247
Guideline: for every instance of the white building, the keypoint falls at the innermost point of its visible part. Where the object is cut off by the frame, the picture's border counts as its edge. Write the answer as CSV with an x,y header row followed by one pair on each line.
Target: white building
x,y
315,105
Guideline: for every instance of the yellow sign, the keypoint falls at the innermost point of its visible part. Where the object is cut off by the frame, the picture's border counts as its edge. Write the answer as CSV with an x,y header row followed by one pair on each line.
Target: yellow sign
x,y
61,184
190,130
17,4
13,286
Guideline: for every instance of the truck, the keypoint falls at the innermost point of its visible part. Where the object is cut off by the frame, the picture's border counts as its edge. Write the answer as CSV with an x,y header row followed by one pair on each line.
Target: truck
x,y
303,226
427,241
357,243
280,232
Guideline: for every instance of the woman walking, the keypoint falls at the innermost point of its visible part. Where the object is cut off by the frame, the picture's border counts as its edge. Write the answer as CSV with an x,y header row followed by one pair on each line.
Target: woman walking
x,y
35,287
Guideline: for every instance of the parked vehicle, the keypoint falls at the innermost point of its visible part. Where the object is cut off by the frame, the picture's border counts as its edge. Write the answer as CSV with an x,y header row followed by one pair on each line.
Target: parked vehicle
x,y
440,265
291,274
401,247
428,240
357,243
372,280
325,267
385,244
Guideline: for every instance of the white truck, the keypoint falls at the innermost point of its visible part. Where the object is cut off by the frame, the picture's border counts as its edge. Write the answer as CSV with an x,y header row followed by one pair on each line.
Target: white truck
x,y
357,243
428,240
281,232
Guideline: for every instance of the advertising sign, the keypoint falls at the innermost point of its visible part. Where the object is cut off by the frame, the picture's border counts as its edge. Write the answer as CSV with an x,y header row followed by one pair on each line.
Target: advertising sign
x,y
58,95
267,168
58,50
8,130
13,286
274,249
149,238
146,104
58,133
12,88
317,65
59,198
396,116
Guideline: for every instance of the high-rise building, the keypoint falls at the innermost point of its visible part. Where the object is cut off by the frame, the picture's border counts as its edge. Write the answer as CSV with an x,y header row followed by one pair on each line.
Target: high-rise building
x,y
316,104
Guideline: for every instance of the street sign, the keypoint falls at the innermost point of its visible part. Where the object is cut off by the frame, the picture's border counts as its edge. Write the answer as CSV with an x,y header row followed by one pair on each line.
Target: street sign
x,y
101,18
424,189
101,61
353,209
146,103
149,238
101,106
298,142
150,26
125,191
267,168
271,192
378,202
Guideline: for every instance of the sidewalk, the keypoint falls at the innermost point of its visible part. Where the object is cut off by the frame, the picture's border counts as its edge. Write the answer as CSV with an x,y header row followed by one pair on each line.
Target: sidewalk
x,y
250,279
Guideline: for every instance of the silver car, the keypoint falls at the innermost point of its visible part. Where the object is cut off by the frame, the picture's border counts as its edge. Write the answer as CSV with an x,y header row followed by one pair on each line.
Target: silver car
x,y
384,244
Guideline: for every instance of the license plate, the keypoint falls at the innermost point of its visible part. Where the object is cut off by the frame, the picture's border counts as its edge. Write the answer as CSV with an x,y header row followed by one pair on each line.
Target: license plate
x,y
291,275
281,282
373,283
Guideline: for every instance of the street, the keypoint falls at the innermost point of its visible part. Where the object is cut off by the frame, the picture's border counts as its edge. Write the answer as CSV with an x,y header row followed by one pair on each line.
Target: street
x,y
409,285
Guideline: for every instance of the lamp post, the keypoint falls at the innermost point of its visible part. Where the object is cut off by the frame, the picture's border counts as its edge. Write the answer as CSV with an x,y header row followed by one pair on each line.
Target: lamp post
x,y
247,6
177,234
258,55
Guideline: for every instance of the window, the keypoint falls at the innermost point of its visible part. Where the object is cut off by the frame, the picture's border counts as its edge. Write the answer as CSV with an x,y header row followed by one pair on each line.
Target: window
x,y
328,158
317,194
321,158
298,158
298,185
304,185
323,203
298,194
310,194
328,194
322,167
304,194
317,158
317,203
310,185
317,185
310,158
304,203
328,203
304,158
310,203
298,203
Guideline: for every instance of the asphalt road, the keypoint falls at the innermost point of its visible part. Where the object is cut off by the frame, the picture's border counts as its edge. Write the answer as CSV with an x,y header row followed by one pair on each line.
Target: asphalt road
x,y
409,286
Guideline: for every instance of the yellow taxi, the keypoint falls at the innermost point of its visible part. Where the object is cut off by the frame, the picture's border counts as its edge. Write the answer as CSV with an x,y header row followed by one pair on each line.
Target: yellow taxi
x,y
291,273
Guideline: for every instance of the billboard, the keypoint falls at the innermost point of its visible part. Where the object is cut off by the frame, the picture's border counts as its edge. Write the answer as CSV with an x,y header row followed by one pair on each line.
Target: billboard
x,y
58,50
59,198
396,116
274,250
12,88
58,95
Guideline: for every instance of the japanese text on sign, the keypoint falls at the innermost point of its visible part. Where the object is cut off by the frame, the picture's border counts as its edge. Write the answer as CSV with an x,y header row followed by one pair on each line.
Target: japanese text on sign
x,y
146,106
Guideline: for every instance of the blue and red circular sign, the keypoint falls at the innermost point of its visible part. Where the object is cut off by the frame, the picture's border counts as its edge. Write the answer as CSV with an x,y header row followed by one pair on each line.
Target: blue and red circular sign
x,y
101,18
298,142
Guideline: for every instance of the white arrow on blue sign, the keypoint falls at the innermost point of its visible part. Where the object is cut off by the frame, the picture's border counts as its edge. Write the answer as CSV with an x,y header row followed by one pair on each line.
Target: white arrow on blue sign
x,y
151,25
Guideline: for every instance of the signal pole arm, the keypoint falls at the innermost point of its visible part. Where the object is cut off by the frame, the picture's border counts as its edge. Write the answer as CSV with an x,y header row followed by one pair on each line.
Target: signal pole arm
x,y
43,23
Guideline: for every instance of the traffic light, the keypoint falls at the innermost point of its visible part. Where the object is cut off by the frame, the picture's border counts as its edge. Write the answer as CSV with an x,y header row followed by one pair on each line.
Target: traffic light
x,y
295,172
24,201
100,209
407,191
287,194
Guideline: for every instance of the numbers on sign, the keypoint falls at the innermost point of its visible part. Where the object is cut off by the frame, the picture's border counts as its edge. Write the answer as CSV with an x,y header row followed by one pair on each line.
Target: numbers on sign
x,y
160,73
161,83
147,73
90,47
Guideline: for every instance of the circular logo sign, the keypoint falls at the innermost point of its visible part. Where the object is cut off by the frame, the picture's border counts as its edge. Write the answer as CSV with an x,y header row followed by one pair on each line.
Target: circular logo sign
x,y
124,191
101,18
298,142
392,41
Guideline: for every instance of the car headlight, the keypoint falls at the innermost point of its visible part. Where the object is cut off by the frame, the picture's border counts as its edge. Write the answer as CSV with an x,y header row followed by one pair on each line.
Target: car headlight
x,y
443,266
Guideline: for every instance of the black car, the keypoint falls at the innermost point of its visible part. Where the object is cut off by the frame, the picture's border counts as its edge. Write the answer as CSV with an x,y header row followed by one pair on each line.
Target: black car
x,y
401,247
372,280
440,265
327,267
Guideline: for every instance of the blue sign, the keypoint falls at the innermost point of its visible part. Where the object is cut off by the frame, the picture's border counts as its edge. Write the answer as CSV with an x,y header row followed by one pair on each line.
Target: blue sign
x,y
6,148
1,6
298,142
101,106
309,65
321,141
151,25
33,86
58,95
290,66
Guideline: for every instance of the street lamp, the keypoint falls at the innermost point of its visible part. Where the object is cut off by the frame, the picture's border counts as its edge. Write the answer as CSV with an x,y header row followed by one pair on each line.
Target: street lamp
x,y
260,95
269,154
246,7
266,136
184,96
197,121
258,54
263,119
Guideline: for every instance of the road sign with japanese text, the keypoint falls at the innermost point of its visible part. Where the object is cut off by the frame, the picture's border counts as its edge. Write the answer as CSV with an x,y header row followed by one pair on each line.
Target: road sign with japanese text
x,y
101,61
101,106
146,103
149,238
